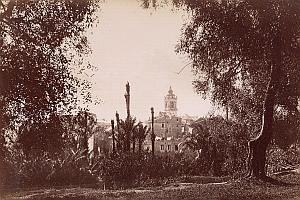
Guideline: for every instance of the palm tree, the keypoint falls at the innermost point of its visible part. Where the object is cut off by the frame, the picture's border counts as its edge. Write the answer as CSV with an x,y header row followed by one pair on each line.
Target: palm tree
x,y
141,135
128,126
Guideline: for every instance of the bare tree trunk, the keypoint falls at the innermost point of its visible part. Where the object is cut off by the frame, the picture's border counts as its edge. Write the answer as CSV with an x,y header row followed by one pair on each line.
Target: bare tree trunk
x,y
119,136
152,135
258,146
113,136
127,136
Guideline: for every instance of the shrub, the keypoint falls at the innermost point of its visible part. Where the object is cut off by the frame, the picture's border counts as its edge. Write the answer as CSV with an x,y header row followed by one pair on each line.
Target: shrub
x,y
71,169
129,169
283,159
42,171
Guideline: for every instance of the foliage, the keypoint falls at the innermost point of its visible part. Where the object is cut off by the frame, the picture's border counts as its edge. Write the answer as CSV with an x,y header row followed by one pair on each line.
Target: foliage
x,y
65,169
71,170
231,46
141,133
142,169
286,128
221,145
120,169
41,43
36,37
39,137
283,159
127,134
129,169
245,56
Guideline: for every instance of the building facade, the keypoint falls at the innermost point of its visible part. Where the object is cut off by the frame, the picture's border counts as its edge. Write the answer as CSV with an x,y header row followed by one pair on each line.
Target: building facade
x,y
169,128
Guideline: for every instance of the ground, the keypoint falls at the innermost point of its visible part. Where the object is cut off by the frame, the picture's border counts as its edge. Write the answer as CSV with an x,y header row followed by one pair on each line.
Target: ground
x,y
196,188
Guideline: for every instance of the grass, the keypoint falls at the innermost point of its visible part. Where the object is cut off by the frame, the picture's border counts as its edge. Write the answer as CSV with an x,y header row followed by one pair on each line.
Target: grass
x,y
286,188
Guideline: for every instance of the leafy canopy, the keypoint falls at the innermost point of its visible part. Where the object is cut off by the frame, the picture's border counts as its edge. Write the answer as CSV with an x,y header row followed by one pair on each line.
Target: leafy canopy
x,y
42,47
40,43
232,45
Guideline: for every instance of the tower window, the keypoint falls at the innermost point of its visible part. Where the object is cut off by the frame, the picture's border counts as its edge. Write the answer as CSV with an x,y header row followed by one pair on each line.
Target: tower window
x,y
161,147
169,147
176,147
162,125
172,105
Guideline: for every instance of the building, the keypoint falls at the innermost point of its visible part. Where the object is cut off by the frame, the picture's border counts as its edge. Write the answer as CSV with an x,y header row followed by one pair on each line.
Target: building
x,y
169,128
100,141
171,103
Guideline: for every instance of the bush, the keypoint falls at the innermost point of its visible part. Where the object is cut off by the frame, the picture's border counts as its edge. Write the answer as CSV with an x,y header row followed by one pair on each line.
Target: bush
x,y
34,172
282,159
129,169
42,171
71,169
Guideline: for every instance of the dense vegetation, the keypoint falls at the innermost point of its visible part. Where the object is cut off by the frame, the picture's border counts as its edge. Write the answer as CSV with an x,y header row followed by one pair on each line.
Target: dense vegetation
x,y
42,44
245,57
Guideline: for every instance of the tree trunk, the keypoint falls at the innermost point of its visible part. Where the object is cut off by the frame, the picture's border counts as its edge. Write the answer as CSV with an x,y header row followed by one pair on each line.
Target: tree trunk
x,y
113,136
152,135
258,146
133,144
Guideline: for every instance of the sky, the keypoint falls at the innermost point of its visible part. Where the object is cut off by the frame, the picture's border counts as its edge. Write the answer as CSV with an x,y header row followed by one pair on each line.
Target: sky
x,y
137,45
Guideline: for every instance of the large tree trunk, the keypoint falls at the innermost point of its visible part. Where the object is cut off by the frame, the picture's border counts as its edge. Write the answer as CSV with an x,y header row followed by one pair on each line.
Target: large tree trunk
x,y
258,146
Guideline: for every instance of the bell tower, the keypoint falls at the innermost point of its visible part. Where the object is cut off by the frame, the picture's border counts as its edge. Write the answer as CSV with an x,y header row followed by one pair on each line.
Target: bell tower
x,y
171,103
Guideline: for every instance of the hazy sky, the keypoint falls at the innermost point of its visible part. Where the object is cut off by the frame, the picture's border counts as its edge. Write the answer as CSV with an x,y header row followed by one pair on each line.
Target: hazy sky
x,y
136,45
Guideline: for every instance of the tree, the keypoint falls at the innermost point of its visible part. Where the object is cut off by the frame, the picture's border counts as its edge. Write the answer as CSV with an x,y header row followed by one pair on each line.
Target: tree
x,y
85,126
141,135
41,42
249,49
220,144
37,138
286,128
128,127
41,47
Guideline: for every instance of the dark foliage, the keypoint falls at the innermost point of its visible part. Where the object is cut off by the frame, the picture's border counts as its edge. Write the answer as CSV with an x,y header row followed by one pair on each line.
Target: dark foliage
x,y
42,44
35,63
65,169
245,56
135,170
221,145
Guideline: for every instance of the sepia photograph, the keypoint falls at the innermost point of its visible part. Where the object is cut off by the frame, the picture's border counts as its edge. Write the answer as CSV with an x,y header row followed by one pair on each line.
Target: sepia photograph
x,y
150,99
